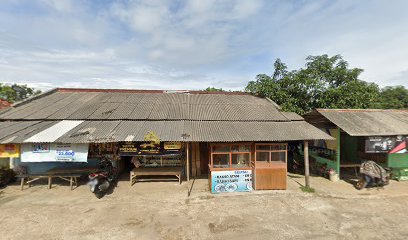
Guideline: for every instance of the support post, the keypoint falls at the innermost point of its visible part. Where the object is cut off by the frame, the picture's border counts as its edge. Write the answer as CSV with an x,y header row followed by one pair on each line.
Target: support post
x,y
306,153
188,162
338,151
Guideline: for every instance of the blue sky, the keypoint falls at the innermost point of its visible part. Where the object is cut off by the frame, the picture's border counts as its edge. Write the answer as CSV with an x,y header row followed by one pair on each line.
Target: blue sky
x,y
194,44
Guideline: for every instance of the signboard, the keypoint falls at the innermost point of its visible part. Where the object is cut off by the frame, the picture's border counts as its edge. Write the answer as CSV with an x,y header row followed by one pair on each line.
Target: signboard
x,y
382,144
9,151
142,148
41,147
128,149
172,146
54,152
231,181
64,152
151,146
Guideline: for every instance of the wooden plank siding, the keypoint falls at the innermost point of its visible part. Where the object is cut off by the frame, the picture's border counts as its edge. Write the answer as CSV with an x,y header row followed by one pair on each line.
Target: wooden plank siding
x,y
271,178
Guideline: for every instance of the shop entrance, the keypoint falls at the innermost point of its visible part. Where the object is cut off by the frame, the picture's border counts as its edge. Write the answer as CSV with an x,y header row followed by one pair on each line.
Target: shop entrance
x,y
155,160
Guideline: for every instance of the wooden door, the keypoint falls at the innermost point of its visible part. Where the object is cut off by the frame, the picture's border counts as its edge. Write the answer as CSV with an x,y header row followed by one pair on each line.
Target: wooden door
x,y
204,157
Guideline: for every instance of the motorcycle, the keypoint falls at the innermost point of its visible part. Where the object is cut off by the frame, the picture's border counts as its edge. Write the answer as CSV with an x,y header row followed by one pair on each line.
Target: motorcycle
x,y
372,175
101,180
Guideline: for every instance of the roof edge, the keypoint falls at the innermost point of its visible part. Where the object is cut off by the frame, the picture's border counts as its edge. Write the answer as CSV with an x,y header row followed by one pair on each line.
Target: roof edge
x,y
117,90
25,101
358,110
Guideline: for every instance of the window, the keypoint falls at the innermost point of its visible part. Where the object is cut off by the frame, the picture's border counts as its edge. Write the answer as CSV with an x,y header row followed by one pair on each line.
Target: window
x,y
271,153
221,160
240,160
231,155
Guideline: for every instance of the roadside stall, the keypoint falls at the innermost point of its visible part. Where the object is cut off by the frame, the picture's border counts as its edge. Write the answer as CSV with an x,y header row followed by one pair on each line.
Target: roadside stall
x,y
242,167
153,158
239,140
376,135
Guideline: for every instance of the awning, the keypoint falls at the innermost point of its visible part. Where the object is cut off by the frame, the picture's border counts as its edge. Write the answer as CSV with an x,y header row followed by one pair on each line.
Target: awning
x,y
192,131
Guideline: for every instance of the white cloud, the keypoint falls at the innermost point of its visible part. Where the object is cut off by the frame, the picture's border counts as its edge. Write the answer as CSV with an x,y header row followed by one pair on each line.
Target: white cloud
x,y
60,5
193,44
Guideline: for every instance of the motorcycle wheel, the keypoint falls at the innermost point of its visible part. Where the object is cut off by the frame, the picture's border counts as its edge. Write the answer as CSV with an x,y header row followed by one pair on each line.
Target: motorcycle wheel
x,y
99,194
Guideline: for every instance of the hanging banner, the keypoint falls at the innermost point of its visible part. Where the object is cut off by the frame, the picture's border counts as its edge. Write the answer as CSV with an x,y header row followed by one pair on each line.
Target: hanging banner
x,y
231,181
382,144
9,151
34,152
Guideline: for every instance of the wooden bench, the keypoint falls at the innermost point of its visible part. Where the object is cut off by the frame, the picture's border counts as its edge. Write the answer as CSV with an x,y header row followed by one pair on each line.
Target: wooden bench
x,y
154,172
29,178
69,174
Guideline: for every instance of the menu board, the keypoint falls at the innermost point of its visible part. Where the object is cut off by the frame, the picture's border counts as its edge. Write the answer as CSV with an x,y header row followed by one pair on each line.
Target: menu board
x,y
231,181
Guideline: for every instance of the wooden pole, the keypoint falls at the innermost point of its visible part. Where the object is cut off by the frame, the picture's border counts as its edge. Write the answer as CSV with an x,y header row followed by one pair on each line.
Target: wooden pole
x,y
188,162
306,153
338,151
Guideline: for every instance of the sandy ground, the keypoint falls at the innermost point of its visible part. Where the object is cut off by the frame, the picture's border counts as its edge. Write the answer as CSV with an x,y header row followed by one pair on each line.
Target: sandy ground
x,y
162,210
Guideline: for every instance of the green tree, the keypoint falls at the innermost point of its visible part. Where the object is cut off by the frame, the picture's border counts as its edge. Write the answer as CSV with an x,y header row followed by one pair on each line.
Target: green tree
x,y
325,82
213,89
393,98
16,92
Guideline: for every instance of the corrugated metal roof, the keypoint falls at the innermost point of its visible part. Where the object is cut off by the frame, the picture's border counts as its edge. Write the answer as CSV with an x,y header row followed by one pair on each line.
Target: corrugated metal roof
x,y
213,131
204,117
370,122
17,132
293,116
150,106
54,132
198,131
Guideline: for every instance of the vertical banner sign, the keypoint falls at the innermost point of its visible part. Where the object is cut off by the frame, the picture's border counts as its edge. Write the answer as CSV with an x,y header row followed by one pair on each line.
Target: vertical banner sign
x,y
231,181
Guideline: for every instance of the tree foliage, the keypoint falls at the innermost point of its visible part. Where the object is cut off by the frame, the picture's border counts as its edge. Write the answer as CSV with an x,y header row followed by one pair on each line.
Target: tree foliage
x,y
325,82
393,98
213,89
14,93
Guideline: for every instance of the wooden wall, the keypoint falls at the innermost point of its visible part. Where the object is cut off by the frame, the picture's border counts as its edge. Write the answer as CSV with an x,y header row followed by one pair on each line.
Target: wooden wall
x,y
271,178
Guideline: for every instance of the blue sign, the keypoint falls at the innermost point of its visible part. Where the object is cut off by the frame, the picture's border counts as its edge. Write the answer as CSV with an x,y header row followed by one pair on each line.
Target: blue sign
x,y
231,181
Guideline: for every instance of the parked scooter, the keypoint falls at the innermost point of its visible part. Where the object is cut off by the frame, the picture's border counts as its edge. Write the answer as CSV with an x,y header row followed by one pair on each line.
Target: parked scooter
x,y
372,175
104,178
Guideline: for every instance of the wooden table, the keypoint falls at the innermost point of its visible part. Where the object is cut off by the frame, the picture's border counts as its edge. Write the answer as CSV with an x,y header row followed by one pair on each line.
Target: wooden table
x,y
67,174
155,172
351,165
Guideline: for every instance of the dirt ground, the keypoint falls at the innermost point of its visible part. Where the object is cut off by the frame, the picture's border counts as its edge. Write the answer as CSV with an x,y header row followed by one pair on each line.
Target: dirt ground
x,y
162,210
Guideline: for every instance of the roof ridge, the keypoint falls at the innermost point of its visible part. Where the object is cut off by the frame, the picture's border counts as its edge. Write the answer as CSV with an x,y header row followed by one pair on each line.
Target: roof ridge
x,y
159,91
